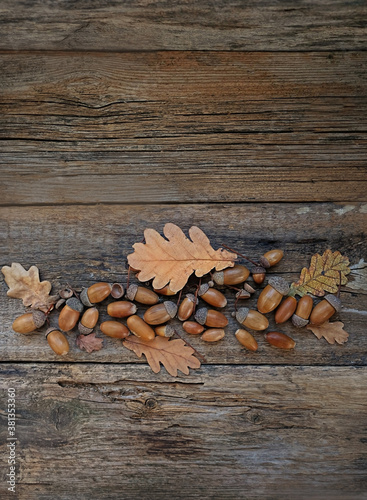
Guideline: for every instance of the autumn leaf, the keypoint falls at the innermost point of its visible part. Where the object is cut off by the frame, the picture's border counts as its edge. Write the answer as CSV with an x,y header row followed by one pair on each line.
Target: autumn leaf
x,y
174,259
173,354
324,275
89,342
26,285
332,332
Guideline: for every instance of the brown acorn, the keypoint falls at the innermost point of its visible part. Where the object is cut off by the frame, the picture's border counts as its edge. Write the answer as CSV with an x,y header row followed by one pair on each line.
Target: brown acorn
x,y
232,275
325,309
304,308
57,341
271,258
160,313
213,334
246,339
272,294
165,330
258,275
27,323
88,321
142,294
285,310
164,291
280,340
69,314
114,329
192,327
252,319
95,293
187,307
139,328
212,296
211,317
121,309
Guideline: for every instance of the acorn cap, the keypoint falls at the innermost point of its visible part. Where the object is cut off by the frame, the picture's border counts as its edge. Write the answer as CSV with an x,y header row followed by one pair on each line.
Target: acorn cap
x,y
39,318
131,292
192,297
218,277
299,322
75,304
84,330
117,290
242,314
249,288
334,301
203,289
279,284
51,329
258,270
243,294
169,331
84,298
171,308
264,262
201,315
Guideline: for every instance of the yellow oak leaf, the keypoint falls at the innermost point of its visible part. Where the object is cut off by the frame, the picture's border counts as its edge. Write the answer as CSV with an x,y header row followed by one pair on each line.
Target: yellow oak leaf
x,y
332,332
325,273
174,259
173,354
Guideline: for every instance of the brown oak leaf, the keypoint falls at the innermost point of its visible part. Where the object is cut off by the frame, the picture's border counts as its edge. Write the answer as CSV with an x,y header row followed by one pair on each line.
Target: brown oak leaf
x,y
173,354
332,332
26,285
89,342
174,259
325,273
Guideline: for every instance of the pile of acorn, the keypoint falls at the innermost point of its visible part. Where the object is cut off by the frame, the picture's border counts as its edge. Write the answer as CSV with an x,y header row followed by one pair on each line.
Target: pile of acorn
x,y
209,323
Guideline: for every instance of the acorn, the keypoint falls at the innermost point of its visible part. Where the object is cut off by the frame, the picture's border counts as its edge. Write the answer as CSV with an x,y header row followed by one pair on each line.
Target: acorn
x,y
212,296
213,334
160,313
139,328
114,329
232,275
304,308
325,309
272,294
280,340
211,317
271,258
27,323
192,327
164,291
246,339
285,310
117,290
252,319
258,275
142,295
95,293
165,330
88,321
121,309
57,341
69,314
187,307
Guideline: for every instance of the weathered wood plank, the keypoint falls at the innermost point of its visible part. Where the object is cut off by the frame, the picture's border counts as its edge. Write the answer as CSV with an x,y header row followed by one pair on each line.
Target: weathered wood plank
x,y
83,245
220,25
162,127
227,432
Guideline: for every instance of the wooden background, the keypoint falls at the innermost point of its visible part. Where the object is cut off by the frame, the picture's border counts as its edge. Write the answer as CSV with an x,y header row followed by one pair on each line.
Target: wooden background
x,y
247,119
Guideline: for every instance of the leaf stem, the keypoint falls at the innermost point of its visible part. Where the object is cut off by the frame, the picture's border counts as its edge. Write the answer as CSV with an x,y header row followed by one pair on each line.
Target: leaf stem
x,y
241,255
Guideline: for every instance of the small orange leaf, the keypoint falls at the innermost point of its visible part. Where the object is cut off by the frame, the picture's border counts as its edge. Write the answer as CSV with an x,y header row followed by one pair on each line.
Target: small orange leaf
x,y
332,332
174,259
173,354
324,275
89,342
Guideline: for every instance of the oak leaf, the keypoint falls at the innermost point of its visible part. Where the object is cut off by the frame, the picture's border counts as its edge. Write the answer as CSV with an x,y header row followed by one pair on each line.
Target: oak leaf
x,y
325,273
173,354
26,285
174,259
332,332
89,342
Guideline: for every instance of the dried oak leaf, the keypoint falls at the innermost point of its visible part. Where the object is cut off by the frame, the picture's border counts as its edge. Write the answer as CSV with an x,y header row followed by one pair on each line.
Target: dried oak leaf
x,y
26,285
174,259
332,332
173,354
89,342
325,273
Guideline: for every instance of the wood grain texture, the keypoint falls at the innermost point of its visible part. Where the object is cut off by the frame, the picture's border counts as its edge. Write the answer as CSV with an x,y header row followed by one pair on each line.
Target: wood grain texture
x,y
221,25
83,245
103,431
182,127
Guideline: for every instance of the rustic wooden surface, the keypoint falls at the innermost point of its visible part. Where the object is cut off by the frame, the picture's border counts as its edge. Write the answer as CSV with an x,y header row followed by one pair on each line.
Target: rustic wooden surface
x,y
246,119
